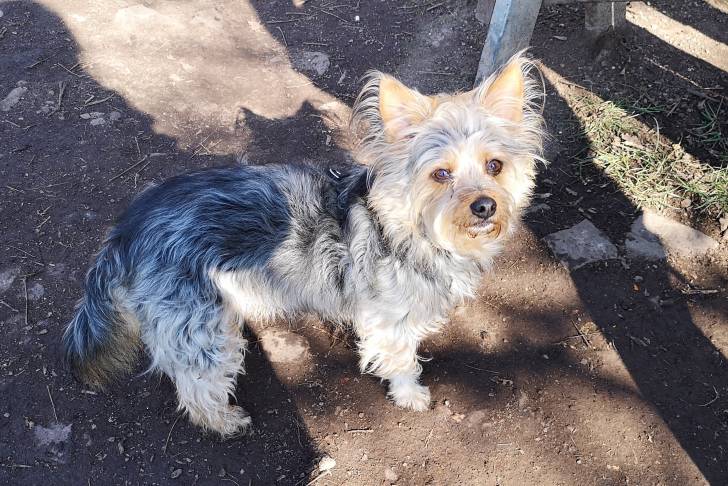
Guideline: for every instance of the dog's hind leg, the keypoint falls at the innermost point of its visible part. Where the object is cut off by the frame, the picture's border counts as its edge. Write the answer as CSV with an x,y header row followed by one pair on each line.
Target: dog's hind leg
x,y
201,349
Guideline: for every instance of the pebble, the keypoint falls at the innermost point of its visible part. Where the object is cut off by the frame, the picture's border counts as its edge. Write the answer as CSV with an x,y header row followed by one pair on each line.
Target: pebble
x,y
176,473
114,116
639,278
390,475
326,464
97,121
13,98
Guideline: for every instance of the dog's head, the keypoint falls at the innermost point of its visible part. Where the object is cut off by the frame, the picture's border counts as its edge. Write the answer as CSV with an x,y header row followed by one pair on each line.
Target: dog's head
x,y
454,169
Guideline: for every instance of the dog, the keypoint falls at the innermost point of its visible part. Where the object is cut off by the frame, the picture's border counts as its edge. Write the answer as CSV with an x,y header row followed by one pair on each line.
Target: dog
x,y
388,247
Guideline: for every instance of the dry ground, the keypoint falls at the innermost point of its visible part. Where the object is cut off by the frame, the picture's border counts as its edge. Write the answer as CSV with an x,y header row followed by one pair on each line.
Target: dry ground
x,y
611,374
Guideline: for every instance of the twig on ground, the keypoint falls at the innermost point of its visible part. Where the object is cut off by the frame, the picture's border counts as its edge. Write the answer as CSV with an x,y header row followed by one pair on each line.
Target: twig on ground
x,y
282,35
48,389
713,400
9,306
133,166
97,102
169,435
360,431
61,91
325,473
583,337
25,290
330,13
429,436
480,369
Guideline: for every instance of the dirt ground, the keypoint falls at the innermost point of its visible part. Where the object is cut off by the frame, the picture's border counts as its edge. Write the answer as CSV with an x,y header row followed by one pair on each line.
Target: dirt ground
x,y
611,374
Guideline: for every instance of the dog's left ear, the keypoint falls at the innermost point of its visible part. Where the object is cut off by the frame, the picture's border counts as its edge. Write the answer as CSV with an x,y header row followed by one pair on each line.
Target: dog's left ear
x,y
401,108
504,96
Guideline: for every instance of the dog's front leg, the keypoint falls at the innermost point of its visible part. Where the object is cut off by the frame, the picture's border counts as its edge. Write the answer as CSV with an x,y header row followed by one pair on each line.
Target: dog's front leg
x,y
390,352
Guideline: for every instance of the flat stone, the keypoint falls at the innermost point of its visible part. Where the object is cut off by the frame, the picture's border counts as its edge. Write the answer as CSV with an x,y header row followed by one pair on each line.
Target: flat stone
x,y
284,346
53,442
310,62
12,98
7,277
390,475
652,236
36,291
580,245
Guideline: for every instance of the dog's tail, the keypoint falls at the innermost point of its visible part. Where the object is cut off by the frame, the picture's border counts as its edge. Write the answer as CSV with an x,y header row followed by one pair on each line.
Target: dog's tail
x,y
102,340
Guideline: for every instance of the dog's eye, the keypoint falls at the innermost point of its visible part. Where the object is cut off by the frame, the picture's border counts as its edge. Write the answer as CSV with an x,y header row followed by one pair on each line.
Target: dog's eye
x,y
493,167
441,175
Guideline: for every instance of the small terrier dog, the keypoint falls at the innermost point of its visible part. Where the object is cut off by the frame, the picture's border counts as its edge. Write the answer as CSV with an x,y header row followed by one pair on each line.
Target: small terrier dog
x,y
389,247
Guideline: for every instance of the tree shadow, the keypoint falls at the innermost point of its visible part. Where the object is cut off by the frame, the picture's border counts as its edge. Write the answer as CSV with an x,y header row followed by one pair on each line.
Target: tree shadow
x,y
78,164
677,368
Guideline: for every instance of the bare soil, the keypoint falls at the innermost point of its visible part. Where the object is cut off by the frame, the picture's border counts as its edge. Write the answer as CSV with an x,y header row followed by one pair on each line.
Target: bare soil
x,y
611,374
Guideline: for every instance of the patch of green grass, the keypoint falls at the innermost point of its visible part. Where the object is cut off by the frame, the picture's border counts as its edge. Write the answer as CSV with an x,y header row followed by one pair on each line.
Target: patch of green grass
x,y
713,132
648,169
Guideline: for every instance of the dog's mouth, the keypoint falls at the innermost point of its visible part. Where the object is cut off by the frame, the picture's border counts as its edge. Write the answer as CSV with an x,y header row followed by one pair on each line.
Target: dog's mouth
x,y
484,227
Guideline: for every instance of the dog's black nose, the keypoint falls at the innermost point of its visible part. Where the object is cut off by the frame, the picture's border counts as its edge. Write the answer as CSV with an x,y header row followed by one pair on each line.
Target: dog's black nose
x,y
483,207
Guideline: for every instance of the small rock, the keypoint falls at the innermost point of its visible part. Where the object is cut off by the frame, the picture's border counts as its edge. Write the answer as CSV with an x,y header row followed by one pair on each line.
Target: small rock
x,y
97,122
284,346
638,279
7,277
12,98
723,223
53,442
581,244
114,116
390,475
310,62
36,292
176,473
85,116
326,464
652,235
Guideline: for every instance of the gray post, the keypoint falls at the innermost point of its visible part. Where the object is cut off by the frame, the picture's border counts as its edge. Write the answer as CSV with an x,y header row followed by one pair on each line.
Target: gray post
x,y
601,17
511,26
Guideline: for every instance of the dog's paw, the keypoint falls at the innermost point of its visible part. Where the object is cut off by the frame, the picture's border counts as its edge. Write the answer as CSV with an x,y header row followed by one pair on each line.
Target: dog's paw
x,y
228,421
409,394
235,421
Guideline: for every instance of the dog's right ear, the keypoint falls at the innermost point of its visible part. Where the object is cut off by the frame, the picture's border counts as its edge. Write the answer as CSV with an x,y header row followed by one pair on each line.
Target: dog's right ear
x,y
401,108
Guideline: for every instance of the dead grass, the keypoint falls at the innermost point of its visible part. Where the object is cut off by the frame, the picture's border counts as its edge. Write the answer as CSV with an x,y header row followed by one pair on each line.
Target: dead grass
x,y
646,166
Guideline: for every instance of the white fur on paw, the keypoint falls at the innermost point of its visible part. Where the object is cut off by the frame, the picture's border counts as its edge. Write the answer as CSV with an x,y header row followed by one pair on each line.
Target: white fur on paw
x,y
228,421
236,421
410,395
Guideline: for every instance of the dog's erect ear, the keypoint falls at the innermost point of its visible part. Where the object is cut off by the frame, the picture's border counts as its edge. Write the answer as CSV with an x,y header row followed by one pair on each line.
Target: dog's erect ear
x,y
504,96
401,108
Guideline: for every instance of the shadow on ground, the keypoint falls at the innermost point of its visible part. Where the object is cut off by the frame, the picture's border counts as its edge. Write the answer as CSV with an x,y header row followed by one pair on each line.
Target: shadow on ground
x,y
530,403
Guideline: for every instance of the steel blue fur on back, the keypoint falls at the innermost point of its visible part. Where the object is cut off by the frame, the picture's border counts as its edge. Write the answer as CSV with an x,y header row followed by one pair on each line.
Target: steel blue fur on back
x,y
159,257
